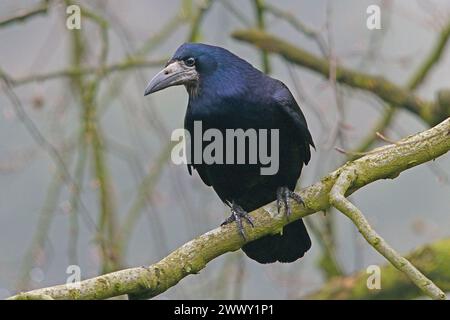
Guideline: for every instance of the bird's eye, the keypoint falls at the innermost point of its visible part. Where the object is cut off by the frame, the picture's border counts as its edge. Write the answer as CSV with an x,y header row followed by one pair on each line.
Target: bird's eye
x,y
190,62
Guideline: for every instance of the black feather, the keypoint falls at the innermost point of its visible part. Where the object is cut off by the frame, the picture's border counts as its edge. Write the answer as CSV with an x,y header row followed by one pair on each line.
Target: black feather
x,y
232,94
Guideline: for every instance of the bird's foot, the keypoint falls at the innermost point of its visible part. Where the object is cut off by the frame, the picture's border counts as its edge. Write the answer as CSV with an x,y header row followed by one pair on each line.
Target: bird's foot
x,y
283,196
237,214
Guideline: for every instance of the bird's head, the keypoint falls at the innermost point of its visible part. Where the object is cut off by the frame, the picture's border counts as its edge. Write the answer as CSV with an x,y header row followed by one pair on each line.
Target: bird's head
x,y
193,63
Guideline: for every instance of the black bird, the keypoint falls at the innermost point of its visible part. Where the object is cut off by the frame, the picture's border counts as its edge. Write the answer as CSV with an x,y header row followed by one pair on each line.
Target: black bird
x,y
227,92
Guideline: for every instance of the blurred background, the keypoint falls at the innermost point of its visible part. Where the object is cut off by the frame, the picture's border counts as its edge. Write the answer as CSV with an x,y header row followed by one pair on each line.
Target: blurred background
x,y
85,172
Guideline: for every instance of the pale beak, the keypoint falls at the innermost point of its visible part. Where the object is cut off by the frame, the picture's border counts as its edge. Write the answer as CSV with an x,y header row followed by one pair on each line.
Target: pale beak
x,y
176,73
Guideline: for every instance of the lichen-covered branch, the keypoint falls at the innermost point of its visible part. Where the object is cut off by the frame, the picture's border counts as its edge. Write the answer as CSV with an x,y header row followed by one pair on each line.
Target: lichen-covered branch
x,y
340,202
386,90
381,163
432,259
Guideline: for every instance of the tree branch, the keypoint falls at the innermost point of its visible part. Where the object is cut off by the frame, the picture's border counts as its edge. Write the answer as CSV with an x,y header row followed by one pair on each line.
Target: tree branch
x,y
382,163
415,81
338,200
388,91
261,25
432,259
127,64
25,15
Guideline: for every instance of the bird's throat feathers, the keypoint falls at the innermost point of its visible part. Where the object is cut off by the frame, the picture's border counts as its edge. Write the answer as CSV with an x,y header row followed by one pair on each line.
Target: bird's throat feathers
x,y
193,90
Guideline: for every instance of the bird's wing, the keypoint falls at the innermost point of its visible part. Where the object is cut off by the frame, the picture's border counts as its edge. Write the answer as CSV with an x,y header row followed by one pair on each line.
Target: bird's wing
x,y
286,101
200,168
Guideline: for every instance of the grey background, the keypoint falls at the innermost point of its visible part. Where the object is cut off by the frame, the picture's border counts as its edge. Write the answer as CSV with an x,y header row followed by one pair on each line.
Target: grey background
x,y
408,211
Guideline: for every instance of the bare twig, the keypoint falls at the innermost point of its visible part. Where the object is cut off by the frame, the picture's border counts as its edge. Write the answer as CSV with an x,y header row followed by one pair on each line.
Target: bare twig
x,y
339,201
25,15
194,33
144,193
416,80
261,25
127,64
299,26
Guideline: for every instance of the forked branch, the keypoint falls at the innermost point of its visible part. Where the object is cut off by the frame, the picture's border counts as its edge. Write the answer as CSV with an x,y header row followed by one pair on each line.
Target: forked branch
x,y
340,202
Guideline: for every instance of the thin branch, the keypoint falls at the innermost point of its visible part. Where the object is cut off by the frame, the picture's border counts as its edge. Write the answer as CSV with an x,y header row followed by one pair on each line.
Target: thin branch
x,y
143,197
261,25
127,64
431,258
163,34
37,245
40,139
75,200
194,33
327,261
25,15
416,80
299,26
433,57
90,126
227,4
385,162
340,202
380,126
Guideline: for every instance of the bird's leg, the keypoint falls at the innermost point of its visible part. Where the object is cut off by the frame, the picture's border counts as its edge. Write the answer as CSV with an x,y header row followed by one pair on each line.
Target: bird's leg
x,y
283,196
237,214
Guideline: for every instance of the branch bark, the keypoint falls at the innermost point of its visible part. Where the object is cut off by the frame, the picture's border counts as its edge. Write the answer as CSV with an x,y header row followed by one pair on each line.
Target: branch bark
x,y
381,163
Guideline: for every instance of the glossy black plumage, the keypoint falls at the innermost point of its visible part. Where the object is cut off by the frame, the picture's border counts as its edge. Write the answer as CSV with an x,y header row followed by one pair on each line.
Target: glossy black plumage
x,y
230,94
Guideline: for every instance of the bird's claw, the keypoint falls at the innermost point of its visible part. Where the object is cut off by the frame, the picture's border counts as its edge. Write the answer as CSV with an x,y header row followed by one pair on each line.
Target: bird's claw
x,y
237,214
283,196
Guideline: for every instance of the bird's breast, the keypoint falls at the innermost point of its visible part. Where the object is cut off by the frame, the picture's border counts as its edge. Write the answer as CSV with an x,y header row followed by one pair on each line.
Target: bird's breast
x,y
233,178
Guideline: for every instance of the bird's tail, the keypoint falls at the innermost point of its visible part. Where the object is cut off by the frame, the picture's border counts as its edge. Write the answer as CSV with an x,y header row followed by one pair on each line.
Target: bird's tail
x,y
287,246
